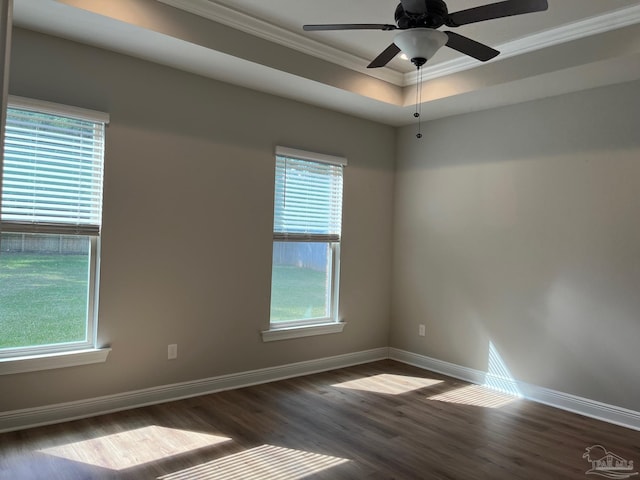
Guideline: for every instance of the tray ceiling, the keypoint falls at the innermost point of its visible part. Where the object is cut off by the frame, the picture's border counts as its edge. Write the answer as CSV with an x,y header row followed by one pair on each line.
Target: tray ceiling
x,y
259,44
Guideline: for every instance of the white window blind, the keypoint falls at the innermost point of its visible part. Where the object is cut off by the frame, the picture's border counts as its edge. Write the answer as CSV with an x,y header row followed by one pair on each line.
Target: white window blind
x,y
308,200
52,172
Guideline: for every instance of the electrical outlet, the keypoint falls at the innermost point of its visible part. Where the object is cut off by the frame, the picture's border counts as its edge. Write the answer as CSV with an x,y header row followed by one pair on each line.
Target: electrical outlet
x,y
172,351
421,330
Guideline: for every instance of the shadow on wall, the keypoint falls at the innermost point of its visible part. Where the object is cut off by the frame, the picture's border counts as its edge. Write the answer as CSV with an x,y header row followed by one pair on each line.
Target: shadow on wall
x,y
600,120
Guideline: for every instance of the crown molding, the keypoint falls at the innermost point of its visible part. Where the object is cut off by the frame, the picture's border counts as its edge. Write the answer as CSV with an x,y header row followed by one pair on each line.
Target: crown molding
x,y
211,10
573,31
555,36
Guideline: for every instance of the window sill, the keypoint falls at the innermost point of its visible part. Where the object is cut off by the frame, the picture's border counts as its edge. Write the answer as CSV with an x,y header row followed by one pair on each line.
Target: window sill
x,y
274,334
49,361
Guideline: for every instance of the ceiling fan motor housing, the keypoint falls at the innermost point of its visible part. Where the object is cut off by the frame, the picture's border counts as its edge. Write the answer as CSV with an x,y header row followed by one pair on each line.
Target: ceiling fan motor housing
x,y
434,16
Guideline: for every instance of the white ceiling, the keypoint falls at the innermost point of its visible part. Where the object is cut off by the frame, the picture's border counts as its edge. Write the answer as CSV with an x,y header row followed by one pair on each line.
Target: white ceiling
x,y
575,45
292,14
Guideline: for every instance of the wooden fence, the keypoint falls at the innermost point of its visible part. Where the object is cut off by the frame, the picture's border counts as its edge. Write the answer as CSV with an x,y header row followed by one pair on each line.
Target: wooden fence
x,y
45,244
300,254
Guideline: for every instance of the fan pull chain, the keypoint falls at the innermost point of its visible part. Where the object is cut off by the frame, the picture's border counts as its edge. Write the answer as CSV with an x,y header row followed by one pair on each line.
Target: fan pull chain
x,y
419,103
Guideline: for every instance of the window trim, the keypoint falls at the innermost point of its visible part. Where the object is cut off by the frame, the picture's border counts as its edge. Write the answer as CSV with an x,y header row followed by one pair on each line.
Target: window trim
x,y
312,326
332,301
42,106
286,333
52,360
40,357
91,321
310,156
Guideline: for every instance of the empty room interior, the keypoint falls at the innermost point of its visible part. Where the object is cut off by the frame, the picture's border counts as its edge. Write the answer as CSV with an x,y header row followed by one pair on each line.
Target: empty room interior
x,y
291,263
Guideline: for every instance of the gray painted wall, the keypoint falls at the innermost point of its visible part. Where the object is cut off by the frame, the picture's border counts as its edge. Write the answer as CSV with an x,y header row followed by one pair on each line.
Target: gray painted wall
x,y
191,161
516,226
519,226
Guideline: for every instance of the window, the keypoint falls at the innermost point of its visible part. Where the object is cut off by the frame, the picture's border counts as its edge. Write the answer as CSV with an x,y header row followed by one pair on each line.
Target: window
x,y
306,238
50,221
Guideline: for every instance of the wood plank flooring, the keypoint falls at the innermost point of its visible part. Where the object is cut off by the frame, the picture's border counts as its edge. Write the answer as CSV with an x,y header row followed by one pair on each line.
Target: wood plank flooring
x,y
383,420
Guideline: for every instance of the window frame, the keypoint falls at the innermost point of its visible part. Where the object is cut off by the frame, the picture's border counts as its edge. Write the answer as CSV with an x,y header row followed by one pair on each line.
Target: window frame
x,y
30,358
334,291
318,325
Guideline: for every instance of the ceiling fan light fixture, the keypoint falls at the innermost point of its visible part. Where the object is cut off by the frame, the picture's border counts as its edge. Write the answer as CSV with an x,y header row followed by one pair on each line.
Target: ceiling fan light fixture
x,y
420,44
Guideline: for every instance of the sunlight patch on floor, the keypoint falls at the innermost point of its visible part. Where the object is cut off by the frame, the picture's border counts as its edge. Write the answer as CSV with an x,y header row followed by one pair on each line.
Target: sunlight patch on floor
x,y
266,462
133,448
388,383
476,395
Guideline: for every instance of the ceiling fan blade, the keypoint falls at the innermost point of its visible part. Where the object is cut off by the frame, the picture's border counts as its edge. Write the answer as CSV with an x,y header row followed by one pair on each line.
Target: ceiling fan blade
x,y
414,6
348,26
474,49
496,10
385,57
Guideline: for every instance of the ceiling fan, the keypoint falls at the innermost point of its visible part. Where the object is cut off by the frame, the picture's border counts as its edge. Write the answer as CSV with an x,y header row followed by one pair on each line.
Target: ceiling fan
x,y
419,21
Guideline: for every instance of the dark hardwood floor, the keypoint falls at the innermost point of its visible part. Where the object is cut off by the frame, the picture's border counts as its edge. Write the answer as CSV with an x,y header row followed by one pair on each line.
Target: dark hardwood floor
x,y
383,420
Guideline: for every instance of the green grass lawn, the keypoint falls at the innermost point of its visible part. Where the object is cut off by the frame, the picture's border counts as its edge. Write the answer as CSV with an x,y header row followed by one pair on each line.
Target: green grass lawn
x,y
43,299
297,293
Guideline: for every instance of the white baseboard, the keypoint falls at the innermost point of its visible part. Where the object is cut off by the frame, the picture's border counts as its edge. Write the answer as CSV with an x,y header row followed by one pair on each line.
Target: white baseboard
x,y
50,414
565,401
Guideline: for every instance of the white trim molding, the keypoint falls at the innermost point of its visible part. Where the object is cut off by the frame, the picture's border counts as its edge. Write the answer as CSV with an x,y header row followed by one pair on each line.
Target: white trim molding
x,y
230,17
555,36
50,414
564,401
42,106
48,361
299,331
311,156
217,12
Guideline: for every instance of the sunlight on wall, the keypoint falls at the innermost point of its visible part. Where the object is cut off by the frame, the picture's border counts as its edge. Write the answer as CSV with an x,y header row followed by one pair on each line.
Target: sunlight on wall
x,y
475,395
498,389
266,462
134,447
498,376
388,383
